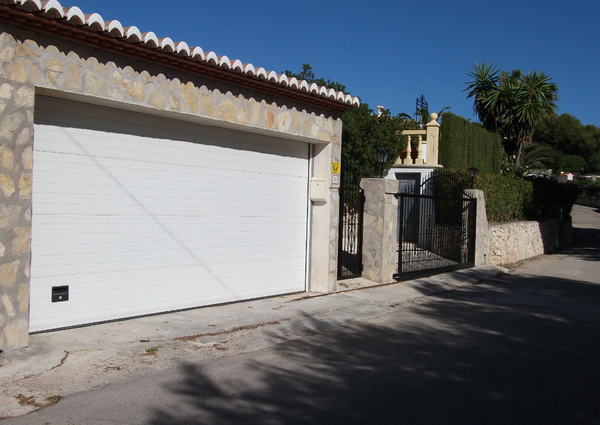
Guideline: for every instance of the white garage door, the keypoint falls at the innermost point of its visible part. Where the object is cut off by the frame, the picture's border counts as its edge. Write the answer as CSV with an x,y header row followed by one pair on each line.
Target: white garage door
x,y
139,214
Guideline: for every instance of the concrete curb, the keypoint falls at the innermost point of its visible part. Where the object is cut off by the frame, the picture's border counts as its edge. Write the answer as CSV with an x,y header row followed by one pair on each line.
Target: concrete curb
x,y
30,361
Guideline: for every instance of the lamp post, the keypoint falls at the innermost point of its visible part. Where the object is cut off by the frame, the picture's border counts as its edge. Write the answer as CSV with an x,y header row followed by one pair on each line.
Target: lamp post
x,y
473,174
382,157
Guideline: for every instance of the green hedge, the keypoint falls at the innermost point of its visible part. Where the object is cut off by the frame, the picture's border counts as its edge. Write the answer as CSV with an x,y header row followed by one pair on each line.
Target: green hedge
x,y
464,144
507,199
510,199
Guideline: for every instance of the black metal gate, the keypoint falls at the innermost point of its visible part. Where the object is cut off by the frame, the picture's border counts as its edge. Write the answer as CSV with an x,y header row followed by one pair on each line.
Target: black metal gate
x,y
352,201
436,228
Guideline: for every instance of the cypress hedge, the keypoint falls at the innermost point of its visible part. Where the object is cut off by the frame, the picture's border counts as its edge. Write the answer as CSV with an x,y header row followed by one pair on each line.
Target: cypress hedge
x,y
464,144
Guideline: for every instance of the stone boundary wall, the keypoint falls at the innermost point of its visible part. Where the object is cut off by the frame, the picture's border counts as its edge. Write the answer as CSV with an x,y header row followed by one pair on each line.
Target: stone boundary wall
x,y
589,200
513,242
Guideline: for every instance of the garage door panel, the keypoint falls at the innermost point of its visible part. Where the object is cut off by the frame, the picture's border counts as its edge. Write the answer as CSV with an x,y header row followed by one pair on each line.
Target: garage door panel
x,y
145,264
97,254
110,174
211,222
180,294
170,189
117,242
157,239
141,214
201,283
209,163
178,131
143,176
80,246
101,146
78,116
97,282
162,257
139,187
78,183
82,312
195,281
224,210
50,161
184,229
212,200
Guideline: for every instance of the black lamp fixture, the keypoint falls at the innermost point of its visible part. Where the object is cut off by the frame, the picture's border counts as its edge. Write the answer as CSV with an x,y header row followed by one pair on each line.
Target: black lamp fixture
x,y
382,157
473,174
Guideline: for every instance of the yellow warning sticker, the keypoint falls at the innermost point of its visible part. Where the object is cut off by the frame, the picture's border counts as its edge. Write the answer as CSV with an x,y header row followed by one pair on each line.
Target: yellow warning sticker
x,y
335,168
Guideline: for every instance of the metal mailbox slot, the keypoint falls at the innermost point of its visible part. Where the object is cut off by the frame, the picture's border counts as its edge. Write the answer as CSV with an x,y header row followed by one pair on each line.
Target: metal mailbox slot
x,y
60,294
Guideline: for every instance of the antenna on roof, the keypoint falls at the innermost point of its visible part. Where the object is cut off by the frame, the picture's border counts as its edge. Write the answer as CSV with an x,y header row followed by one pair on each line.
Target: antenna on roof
x,y
422,110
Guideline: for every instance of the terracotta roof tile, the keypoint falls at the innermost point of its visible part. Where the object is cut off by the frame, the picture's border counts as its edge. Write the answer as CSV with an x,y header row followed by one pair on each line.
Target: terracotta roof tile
x,y
54,10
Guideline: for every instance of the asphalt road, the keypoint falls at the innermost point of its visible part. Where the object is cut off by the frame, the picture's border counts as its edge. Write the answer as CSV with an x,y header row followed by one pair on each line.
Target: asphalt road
x,y
519,349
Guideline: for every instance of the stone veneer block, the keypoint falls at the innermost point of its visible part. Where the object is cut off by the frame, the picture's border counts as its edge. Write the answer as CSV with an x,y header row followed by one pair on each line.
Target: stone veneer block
x,y
8,273
7,185
7,158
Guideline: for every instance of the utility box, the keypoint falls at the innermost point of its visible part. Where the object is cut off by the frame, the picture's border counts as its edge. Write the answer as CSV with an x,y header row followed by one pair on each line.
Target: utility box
x,y
318,189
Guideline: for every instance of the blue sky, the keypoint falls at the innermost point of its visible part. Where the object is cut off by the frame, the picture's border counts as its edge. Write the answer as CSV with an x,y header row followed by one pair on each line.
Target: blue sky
x,y
390,52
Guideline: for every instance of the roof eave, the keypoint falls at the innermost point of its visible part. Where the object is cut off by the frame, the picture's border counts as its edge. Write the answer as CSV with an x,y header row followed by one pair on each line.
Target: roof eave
x,y
85,35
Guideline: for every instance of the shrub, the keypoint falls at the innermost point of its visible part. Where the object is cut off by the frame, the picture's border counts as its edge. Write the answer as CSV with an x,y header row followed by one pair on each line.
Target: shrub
x,y
506,198
511,199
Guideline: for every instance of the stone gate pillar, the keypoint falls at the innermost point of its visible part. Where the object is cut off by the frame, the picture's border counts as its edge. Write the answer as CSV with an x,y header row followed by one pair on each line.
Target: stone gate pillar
x,y
380,229
483,237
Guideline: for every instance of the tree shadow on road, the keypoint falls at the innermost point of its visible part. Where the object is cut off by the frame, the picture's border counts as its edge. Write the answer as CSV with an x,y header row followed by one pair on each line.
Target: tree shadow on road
x,y
585,240
585,244
519,350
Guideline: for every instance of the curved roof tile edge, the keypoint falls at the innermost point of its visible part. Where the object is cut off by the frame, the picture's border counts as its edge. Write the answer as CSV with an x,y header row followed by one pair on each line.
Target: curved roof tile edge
x,y
54,9
94,21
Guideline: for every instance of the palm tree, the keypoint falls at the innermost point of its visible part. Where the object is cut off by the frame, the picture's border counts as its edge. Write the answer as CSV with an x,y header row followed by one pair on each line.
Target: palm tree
x,y
535,161
404,116
536,102
511,104
484,90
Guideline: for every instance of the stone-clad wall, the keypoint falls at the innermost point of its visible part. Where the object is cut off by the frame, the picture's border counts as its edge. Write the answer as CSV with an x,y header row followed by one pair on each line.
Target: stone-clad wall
x,y
16,132
31,61
513,242
29,64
